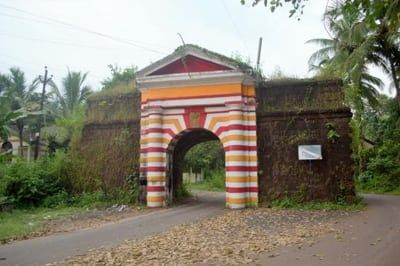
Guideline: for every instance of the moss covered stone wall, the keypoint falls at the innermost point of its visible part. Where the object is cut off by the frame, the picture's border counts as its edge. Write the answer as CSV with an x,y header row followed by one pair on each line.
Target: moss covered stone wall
x,y
109,146
293,113
289,113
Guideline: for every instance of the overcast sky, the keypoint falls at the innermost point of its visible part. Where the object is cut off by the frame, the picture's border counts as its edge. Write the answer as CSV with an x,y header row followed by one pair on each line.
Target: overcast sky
x,y
67,34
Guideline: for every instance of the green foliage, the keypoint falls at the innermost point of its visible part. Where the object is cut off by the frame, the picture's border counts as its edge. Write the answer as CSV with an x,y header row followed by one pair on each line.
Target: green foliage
x,y
294,203
73,92
21,222
182,192
29,183
215,181
278,74
297,5
132,191
119,77
5,120
18,97
332,134
119,90
380,171
64,130
363,33
206,155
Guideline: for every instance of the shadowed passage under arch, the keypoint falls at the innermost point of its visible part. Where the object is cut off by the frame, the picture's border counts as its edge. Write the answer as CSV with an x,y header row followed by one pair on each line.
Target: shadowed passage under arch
x,y
177,149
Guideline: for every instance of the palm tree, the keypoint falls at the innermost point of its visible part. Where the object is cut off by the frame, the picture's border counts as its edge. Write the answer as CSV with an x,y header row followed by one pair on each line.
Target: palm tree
x,y
347,55
357,43
20,99
67,108
74,92
362,35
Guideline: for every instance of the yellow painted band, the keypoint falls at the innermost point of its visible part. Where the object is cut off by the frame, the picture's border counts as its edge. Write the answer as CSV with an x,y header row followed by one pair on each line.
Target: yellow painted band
x,y
238,137
202,90
154,140
155,199
238,179
156,179
216,120
241,200
249,90
174,122
153,159
240,158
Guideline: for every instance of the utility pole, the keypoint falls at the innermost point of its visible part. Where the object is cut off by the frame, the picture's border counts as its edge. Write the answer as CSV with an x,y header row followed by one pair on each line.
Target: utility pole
x,y
39,124
259,53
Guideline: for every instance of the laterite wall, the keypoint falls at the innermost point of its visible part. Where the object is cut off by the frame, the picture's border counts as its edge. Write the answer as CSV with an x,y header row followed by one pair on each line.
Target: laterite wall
x,y
288,114
109,146
292,113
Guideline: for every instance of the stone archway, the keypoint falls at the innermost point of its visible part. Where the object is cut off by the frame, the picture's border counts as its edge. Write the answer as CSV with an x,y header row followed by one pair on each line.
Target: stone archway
x,y
177,150
219,98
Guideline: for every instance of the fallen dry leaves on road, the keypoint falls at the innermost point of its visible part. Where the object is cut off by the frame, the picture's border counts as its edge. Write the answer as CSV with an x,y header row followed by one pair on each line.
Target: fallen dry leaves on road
x,y
236,237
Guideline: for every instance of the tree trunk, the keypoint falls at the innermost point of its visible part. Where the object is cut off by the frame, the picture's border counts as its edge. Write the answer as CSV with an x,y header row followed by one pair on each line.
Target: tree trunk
x,y
395,81
21,141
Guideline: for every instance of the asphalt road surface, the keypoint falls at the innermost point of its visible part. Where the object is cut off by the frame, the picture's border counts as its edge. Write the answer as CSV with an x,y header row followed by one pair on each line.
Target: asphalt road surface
x,y
370,238
39,251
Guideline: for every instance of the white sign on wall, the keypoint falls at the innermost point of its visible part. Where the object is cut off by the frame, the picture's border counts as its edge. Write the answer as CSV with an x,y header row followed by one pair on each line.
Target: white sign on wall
x,y
310,152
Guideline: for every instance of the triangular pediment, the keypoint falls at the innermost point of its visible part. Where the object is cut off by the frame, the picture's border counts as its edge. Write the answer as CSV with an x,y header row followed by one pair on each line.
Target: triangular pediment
x,y
190,64
191,59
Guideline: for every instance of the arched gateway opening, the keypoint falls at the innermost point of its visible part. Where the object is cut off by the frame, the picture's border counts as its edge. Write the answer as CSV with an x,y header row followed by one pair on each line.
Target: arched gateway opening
x,y
192,96
177,150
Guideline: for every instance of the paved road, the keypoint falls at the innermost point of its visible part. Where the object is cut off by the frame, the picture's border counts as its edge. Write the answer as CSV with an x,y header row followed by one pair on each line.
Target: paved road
x,y
57,247
371,238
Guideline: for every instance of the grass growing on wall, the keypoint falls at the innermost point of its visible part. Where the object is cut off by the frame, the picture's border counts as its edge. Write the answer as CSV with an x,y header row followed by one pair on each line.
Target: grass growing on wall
x,y
108,150
299,95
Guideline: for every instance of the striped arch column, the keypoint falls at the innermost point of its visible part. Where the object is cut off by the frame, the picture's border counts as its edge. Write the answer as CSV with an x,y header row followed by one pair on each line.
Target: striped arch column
x,y
153,156
251,139
240,161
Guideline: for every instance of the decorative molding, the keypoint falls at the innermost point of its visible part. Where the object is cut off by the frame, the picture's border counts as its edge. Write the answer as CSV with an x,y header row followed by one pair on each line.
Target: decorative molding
x,y
198,78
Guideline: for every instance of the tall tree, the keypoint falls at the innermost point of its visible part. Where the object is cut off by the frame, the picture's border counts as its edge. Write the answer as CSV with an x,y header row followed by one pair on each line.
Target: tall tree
x,y
380,21
20,98
364,33
347,55
119,76
73,92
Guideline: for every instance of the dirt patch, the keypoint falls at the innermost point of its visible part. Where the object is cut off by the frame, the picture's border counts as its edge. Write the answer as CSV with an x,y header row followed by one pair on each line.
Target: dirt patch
x,y
86,219
93,218
235,237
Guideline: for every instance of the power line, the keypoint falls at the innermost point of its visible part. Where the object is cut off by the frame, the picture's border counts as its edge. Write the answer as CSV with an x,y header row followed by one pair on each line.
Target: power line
x,y
234,25
55,42
35,66
79,28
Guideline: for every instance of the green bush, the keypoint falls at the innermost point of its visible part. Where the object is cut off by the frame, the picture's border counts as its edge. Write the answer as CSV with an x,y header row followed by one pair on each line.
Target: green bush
x,y
182,192
62,198
381,172
29,183
51,182
216,179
